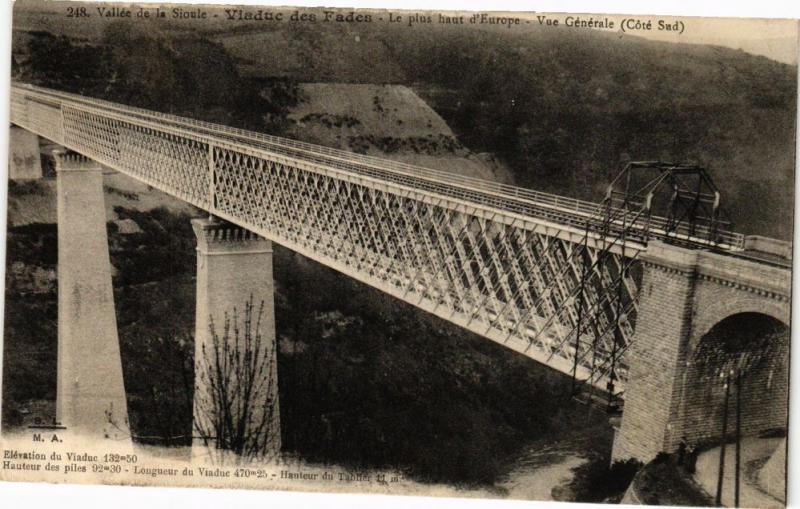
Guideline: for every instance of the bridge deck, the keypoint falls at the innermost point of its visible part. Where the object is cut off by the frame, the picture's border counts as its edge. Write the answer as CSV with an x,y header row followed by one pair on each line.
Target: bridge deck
x,y
503,262
552,207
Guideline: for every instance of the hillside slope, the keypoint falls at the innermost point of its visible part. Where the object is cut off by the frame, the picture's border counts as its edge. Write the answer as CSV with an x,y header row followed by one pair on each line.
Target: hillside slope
x,y
560,107
389,121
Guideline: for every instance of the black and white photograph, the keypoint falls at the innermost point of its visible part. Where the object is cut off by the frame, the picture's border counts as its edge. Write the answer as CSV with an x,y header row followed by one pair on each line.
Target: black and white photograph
x,y
495,255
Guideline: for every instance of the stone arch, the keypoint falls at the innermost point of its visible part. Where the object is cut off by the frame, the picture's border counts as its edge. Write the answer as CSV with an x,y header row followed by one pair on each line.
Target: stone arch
x,y
720,309
755,344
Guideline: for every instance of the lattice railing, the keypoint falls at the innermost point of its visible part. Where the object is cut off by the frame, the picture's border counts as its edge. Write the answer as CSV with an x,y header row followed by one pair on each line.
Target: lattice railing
x,y
506,268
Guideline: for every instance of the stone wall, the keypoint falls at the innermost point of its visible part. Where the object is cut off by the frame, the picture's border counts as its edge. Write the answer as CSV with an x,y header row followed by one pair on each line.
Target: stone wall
x,y
684,294
763,397
655,358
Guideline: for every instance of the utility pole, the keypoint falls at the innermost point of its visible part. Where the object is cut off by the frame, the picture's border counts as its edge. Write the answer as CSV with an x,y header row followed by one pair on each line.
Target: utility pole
x,y
581,300
721,470
738,434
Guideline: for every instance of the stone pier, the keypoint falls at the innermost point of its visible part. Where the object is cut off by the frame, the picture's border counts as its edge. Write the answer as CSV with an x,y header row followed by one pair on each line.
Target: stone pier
x,y
24,160
91,392
234,272
674,391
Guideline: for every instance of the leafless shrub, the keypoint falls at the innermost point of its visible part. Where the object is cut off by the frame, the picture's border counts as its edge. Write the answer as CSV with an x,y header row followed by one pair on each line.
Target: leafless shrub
x,y
236,408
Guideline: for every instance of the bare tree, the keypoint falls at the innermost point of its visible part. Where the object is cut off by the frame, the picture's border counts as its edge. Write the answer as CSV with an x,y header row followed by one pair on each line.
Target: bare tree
x,y
236,397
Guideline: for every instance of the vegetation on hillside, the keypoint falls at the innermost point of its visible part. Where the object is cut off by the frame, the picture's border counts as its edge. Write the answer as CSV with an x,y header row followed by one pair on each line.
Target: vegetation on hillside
x,y
364,381
187,75
663,482
373,382
30,336
563,108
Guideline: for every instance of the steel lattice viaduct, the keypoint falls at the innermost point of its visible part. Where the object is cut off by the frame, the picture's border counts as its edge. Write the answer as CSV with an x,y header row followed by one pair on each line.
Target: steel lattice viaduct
x,y
619,295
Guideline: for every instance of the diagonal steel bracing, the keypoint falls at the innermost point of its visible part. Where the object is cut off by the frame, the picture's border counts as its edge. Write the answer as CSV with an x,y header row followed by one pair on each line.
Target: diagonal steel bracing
x,y
515,266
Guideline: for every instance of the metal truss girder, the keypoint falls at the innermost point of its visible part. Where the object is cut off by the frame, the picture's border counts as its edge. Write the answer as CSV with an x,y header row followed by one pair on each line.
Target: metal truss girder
x,y
507,276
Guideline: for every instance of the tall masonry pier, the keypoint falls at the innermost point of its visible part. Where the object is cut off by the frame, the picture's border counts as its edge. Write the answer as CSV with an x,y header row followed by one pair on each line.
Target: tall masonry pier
x,y
236,377
91,392
24,161
701,315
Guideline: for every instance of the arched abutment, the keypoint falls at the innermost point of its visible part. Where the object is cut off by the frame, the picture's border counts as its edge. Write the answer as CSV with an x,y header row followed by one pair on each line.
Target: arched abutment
x,y
749,353
684,295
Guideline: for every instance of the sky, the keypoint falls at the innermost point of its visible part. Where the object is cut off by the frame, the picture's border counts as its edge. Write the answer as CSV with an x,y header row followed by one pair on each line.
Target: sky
x,y
773,38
